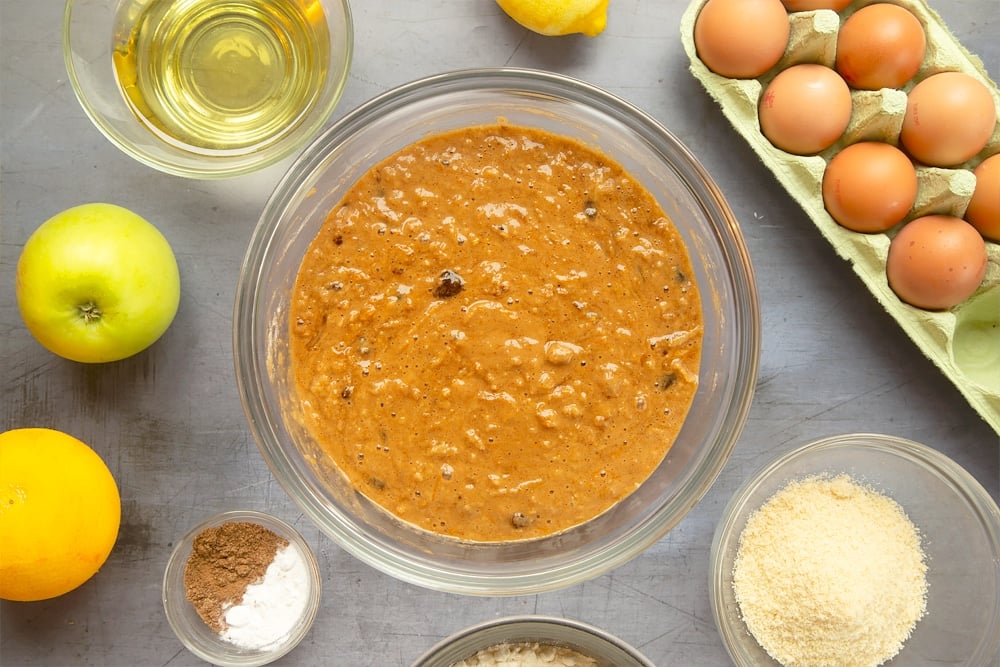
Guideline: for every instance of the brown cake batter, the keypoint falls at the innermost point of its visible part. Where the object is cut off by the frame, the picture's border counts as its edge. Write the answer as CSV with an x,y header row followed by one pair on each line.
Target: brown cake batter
x,y
496,334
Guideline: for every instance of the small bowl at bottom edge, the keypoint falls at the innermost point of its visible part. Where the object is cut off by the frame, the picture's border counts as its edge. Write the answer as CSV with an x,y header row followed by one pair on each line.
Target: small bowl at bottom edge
x,y
585,639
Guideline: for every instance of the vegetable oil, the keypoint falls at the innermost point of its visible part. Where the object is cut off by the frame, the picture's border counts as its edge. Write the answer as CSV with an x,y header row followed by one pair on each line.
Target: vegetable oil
x,y
227,76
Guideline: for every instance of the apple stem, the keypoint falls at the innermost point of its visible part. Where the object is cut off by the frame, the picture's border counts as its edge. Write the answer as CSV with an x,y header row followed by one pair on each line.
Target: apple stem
x,y
90,312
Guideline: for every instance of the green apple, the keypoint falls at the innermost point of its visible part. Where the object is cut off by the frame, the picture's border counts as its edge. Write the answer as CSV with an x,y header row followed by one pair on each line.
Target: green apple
x,y
97,283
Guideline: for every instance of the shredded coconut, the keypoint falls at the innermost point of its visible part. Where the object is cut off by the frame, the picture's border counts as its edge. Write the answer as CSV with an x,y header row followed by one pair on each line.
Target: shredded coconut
x,y
829,572
527,655
271,607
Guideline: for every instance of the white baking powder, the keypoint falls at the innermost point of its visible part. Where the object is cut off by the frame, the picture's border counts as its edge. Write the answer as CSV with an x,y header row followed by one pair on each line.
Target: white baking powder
x,y
271,607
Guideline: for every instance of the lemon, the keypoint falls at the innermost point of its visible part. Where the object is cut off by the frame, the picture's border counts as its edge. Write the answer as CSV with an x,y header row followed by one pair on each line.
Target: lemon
x,y
559,17
59,513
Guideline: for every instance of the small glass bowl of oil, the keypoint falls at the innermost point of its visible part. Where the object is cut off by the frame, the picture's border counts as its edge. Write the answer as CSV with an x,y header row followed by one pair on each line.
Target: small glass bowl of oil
x,y
208,88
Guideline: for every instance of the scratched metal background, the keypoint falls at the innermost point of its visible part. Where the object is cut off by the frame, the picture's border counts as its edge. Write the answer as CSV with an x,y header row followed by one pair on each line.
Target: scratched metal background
x,y
170,425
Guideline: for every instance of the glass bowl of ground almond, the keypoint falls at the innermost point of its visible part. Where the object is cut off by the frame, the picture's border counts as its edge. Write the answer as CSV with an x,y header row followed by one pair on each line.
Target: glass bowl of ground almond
x,y
241,589
496,331
532,640
859,549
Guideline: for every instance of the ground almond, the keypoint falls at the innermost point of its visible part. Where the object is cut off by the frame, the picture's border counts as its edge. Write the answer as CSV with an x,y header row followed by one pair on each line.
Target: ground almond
x,y
830,572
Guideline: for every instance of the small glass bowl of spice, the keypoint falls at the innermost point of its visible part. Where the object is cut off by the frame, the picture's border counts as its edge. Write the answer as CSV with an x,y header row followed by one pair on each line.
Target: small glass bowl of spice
x,y
855,550
241,589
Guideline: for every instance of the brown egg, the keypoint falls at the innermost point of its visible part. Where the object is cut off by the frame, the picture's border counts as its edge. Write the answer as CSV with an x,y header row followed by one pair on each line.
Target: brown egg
x,y
949,118
741,39
984,208
809,5
936,262
805,109
869,186
880,46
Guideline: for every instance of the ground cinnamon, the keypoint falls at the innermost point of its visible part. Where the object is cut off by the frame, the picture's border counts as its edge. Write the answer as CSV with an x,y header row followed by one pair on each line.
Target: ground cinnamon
x,y
225,560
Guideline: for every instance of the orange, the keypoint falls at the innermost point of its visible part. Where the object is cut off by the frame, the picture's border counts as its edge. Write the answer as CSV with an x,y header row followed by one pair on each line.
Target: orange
x,y
59,513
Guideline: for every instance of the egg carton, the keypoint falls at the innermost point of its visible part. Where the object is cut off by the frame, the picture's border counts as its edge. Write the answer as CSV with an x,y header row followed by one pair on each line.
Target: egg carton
x,y
964,341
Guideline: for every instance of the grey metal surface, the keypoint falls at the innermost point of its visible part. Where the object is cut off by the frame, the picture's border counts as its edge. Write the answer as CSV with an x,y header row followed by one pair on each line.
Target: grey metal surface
x,y
169,421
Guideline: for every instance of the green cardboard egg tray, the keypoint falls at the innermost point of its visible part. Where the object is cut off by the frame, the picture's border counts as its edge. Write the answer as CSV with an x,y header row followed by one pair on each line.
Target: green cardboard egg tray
x,y
964,341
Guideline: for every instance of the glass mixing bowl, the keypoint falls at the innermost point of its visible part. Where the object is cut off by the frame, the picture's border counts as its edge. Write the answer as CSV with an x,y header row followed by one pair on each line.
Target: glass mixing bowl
x,y
94,32
959,526
299,206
